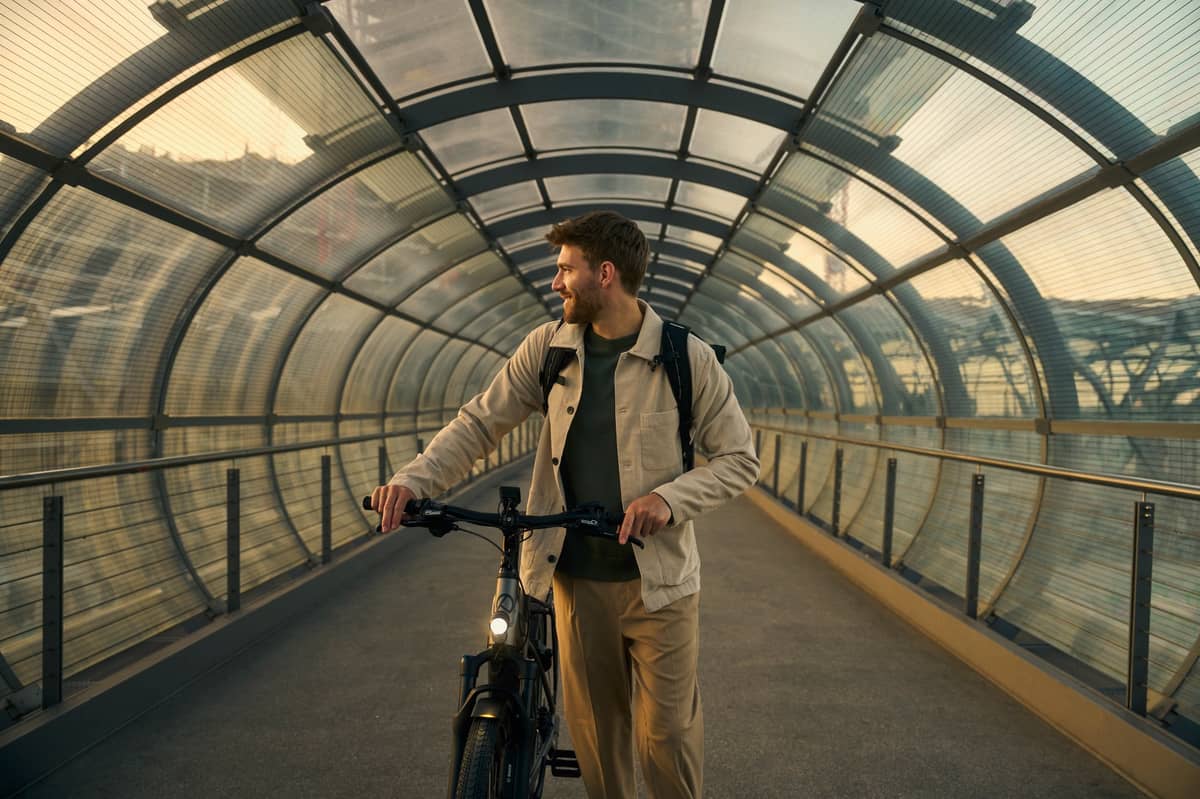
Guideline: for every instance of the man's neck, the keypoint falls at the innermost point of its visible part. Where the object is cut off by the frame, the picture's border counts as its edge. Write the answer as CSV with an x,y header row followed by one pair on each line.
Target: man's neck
x,y
622,318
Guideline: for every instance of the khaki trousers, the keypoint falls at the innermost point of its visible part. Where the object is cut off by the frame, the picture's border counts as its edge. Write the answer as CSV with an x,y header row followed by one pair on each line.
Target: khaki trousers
x,y
627,672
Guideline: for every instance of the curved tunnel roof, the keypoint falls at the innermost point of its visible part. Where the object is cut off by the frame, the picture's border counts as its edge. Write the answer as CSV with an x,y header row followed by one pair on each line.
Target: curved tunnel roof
x,y
966,225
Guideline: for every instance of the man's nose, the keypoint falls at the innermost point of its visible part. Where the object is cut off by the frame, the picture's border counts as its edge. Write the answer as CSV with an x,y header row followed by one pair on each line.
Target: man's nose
x,y
557,285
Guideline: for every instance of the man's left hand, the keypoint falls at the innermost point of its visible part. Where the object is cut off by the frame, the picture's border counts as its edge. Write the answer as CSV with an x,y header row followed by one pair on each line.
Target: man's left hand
x,y
644,516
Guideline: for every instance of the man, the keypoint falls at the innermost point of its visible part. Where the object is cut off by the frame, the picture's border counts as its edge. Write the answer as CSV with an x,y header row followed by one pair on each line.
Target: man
x,y
628,619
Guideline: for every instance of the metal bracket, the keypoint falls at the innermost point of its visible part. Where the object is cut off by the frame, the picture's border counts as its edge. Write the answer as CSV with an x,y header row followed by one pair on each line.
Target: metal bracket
x,y
1116,175
70,173
1041,427
246,249
503,72
410,141
317,19
868,20
703,74
160,422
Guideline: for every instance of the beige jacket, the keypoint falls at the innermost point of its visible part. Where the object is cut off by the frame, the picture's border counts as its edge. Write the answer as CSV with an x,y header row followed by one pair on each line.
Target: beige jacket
x,y
648,449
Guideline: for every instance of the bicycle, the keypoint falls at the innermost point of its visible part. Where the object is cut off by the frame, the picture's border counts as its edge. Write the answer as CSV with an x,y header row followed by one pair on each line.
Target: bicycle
x,y
506,729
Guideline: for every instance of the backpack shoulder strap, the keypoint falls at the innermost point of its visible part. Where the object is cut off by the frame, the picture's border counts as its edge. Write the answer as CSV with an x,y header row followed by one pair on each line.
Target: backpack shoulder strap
x,y
673,355
553,363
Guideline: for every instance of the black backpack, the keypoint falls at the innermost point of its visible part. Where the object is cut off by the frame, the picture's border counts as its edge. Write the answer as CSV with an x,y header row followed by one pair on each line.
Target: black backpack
x,y
673,355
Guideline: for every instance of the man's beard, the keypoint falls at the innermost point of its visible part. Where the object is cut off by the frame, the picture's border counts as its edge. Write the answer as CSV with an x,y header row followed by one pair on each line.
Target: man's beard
x,y
583,307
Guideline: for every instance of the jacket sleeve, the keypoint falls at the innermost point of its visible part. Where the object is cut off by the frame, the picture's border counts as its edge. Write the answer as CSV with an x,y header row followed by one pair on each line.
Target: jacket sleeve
x,y
480,425
721,433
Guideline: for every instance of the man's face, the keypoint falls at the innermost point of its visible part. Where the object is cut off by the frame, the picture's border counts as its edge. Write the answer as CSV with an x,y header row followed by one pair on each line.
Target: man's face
x,y
578,285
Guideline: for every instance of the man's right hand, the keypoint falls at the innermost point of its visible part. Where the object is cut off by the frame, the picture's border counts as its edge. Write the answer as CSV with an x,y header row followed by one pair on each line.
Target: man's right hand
x,y
390,501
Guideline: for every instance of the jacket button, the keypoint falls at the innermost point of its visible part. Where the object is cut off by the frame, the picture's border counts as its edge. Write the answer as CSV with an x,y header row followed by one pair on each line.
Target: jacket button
x,y
551,559
570,410
554,461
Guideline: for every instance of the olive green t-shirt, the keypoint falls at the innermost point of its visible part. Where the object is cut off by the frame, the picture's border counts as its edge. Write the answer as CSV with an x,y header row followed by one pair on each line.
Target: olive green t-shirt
x,y
589,468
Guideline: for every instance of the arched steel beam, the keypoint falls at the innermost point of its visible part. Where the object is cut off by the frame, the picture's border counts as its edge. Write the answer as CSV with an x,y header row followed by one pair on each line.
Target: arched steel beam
x,y
605,164
597,85
646,213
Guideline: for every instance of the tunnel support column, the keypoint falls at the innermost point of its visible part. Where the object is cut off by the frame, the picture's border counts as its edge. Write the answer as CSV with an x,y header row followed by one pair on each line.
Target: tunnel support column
x,y
974,544
1139,607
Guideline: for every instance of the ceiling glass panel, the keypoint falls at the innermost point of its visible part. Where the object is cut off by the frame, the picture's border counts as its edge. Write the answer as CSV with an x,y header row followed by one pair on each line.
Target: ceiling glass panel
x,y
483,298
274,126
799,256
1174,187
519,304
88,298
402,397
467,364
908,386
83,46
415,45
367,385
776,286
429,301
993,367
433,381
744,301
1122,300
473,140
533,32
399,270
781,43
818,392
747,328
716,328
856,387
876,220
494,203
580,187
704,241
895,103
312,379
19,185
724,204
342,225
229,355
734,140
1144,55
515,241
615,123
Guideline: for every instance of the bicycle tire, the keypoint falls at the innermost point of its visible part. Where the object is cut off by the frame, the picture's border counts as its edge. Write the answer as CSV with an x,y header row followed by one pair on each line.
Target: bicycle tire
x,y
483,759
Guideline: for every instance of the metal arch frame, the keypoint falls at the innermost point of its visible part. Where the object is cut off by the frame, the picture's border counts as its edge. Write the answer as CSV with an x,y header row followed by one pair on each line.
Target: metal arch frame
x,y
508,325
647,213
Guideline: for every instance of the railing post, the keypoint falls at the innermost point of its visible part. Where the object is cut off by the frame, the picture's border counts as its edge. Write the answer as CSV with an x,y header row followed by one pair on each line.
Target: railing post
x,y
889,512
974,545
383,465
1139,608
758,443
326,509
803,477
837,489
420,445
778,446
52,600
233,540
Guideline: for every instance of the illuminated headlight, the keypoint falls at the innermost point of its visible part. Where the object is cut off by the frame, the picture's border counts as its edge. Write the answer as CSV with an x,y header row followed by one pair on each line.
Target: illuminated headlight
x,y
499,626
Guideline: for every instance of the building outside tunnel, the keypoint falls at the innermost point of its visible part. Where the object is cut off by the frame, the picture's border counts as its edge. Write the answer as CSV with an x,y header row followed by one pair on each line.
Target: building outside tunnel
x,y
939,238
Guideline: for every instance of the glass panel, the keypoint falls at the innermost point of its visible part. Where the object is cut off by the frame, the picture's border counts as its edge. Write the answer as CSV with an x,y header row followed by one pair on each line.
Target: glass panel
x,y
102,63
19,186
578,187
855,387
277,124
402,396
433,385
473,140
516,240
88,297
1082,65
776,43
742,300
299,475
831,202
491,204
1130,349
1173,187
233,345
828,275
724,204
316,367
818,392
993,366
534,32
737,329
415,45
897,107
482,299
907,384
518,315
360,462
401,269
779,290
371,374
734,140
704,241
339,227
472,362
437,295
782,372
616,123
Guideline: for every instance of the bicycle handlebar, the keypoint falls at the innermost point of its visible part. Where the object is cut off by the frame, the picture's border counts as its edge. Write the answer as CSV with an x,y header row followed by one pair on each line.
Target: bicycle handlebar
x,y
589,519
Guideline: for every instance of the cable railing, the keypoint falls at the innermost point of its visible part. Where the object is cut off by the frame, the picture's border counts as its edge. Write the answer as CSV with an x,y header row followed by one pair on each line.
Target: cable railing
x,y
123,596
790,479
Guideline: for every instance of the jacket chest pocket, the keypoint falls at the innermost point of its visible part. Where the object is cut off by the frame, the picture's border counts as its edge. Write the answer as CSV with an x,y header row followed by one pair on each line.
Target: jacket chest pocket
x,y
660,441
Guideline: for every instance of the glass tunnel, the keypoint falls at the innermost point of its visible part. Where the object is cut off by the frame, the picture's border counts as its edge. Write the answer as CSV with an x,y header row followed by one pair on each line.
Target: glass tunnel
x,y
952,234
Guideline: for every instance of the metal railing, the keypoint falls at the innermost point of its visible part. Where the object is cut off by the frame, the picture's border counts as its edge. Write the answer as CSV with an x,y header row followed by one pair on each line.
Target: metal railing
x,y
519,443
1141,550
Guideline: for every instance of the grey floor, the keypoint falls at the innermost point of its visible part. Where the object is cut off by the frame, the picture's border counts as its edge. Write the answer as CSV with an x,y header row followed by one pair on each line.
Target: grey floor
x,y
811,689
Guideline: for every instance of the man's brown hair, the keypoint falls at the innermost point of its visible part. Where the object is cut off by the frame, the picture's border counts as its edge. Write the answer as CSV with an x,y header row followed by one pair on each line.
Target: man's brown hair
x,y
606,236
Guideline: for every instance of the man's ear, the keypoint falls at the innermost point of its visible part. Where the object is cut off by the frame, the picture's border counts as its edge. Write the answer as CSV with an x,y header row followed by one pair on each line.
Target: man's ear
x,y
608,273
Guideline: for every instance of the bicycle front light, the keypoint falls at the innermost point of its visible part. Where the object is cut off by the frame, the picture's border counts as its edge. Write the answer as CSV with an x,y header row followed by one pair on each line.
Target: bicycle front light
x,y
499,624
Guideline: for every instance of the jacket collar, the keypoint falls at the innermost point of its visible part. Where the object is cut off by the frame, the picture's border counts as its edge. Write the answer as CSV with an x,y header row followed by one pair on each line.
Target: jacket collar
x,y
648,343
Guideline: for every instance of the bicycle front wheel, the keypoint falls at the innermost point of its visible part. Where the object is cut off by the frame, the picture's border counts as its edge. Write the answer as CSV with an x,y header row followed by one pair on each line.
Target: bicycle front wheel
x,y
482,773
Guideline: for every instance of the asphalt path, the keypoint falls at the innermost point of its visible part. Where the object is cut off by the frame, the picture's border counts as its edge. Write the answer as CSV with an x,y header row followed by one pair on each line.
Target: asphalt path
x,y
810,689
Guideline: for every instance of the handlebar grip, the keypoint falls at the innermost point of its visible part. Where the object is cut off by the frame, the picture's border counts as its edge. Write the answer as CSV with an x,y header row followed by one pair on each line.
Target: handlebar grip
x,y
412,508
